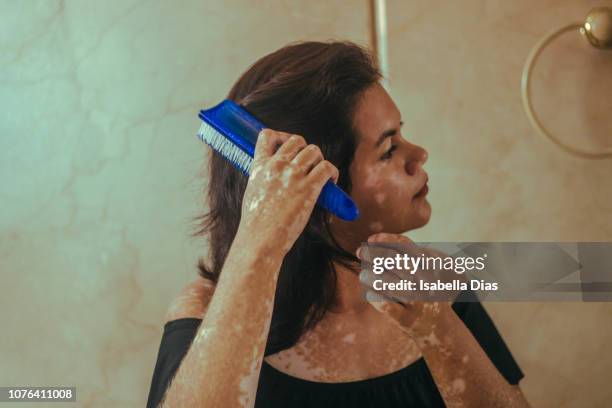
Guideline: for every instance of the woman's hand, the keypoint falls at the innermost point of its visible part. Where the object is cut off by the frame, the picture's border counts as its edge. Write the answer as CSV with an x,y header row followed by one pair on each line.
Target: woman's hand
x,y
462,371
417,318
282,190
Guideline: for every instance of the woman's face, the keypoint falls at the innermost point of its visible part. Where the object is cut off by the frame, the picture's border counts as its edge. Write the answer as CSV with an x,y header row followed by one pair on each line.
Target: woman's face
x,y
389,182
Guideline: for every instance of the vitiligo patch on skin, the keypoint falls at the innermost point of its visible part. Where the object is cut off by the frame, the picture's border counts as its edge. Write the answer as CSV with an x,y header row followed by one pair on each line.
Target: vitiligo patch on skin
x,y
429,340
434,307
338,349
249,381
286,179
248,335
204,333
255,203
458,386
255,170
371,180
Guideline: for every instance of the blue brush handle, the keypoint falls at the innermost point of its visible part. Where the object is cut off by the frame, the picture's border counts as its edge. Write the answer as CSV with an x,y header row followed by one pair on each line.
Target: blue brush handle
x,y
242,128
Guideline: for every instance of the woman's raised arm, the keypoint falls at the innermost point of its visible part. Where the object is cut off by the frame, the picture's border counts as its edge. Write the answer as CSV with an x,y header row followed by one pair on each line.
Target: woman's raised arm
x,y
221,367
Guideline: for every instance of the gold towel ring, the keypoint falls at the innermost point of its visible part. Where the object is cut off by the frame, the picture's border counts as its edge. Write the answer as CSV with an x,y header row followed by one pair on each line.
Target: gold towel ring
x,y
597,29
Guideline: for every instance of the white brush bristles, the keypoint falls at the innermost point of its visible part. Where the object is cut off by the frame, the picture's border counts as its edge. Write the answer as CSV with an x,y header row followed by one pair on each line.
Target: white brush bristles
x,y
225,147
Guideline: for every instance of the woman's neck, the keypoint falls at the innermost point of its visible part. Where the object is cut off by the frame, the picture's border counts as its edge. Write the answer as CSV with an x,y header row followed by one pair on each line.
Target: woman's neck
x,y
350,298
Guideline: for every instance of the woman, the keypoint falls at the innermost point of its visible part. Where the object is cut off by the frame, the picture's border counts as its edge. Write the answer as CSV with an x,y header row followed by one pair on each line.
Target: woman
x,y
278,318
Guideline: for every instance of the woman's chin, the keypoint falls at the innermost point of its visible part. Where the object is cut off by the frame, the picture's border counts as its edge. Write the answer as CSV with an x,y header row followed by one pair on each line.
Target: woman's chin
x,y
421,214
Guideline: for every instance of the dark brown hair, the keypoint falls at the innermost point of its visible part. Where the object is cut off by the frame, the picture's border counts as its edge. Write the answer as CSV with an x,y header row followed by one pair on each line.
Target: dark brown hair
x,y
310,89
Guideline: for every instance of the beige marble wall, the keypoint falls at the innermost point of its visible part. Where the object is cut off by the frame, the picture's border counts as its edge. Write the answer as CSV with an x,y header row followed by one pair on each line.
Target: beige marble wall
x,y
101,170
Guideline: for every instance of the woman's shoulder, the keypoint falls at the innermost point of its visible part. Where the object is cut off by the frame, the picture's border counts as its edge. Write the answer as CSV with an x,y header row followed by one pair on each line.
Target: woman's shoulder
x,y
192,301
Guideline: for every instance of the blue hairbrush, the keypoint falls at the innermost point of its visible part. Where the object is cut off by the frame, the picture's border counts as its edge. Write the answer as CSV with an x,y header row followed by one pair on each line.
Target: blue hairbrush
x,y
232,132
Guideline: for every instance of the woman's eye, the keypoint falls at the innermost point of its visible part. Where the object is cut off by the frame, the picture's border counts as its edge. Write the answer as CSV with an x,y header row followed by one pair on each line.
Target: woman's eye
x,y
388,153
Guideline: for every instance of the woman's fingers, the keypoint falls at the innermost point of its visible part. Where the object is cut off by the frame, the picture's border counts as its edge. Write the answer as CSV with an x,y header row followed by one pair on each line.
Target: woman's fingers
x,y
308,158
291,148
321,173
378,250
267,142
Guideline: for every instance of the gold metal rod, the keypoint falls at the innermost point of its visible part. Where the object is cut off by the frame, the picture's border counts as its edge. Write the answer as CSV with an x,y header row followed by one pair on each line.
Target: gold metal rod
x,y
378,10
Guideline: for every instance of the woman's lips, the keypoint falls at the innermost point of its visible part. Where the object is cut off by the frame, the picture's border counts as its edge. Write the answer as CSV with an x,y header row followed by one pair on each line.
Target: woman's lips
x,y
423,191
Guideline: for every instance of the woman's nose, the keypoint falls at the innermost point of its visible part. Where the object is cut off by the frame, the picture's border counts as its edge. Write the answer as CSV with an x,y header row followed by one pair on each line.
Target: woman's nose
x,y
417,157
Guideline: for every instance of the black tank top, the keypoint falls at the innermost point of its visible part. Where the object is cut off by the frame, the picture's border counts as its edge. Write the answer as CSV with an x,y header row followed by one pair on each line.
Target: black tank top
x,y
411,386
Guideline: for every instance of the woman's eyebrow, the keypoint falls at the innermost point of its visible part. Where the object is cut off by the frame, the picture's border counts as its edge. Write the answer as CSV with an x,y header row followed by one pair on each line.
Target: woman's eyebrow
x,y
387,133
